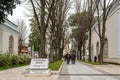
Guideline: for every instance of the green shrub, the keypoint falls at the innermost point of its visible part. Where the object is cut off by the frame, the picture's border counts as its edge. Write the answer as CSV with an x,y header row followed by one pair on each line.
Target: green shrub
x,y
55,65
7,60
15,59
24,59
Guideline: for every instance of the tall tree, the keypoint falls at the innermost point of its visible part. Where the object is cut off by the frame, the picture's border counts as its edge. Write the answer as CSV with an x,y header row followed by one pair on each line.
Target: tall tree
x,y
6,8
80,36
91,10
89,7
22,28
41,11
50,18
34,36
58,26
80,24
105,7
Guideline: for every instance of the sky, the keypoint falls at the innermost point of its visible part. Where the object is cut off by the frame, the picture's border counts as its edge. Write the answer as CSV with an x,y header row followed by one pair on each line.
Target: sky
x,y
19,13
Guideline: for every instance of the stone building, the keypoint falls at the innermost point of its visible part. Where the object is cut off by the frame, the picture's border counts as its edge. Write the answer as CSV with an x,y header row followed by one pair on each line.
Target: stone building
x,y
8,37
112,41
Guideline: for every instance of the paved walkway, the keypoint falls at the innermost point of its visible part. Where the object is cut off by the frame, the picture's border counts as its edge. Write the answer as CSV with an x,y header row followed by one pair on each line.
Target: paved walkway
x,y
110,68
80,71
17,74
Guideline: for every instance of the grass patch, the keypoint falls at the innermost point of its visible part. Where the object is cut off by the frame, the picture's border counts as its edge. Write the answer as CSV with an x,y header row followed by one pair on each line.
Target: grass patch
x,y
55,65
112,63
94,63
12,66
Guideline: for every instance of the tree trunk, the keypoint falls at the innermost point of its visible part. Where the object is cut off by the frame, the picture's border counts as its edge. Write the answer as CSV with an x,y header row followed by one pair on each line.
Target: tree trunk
x,y
80,52
42,53
80,48
43,30
90,35
102,40
51,54
101,50
84,51
61,49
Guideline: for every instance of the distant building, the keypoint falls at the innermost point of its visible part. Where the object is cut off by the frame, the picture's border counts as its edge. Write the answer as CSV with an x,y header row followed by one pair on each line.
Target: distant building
x,y
24,49
8,37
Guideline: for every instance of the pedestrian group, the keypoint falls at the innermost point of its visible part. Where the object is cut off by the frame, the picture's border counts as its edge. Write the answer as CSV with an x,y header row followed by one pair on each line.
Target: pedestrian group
x,y
70,57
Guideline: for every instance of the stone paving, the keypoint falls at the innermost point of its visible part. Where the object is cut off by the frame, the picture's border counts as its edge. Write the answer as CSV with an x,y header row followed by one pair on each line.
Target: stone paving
x,y
81,71
17,74
111,69
78,71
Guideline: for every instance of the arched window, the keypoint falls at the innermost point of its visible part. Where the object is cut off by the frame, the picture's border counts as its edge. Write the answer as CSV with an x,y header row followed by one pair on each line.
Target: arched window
x,y
105,52
11,44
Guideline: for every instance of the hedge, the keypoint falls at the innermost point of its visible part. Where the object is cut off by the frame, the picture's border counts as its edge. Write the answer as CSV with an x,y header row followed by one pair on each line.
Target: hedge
x,y
7,60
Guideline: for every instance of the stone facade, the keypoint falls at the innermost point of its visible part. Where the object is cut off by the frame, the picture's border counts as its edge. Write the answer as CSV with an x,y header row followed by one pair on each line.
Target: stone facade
x,y
8,37
112,42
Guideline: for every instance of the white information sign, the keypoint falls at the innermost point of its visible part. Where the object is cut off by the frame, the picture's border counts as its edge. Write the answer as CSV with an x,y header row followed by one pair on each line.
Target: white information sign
x,y
39,64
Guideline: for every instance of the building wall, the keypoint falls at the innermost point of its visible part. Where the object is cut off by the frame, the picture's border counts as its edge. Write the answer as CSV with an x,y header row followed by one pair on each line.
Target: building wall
x,y
94,41
112,35
6,42
15,44
112,25
8,29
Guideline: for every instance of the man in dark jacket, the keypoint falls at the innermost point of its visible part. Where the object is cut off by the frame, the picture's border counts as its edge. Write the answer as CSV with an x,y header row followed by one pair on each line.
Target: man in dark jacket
x,y
95,58
73,57
68,58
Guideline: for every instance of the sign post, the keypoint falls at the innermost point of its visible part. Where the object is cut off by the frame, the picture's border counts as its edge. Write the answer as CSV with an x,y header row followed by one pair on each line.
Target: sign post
x,y
39,65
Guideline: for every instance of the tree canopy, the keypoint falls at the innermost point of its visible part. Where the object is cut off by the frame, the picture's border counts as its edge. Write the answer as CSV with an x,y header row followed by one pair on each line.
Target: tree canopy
x,y
34,35
6,8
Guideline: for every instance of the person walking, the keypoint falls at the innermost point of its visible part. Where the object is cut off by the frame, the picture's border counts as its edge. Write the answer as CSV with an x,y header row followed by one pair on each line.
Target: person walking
x,y
73,57
68,58
95,58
